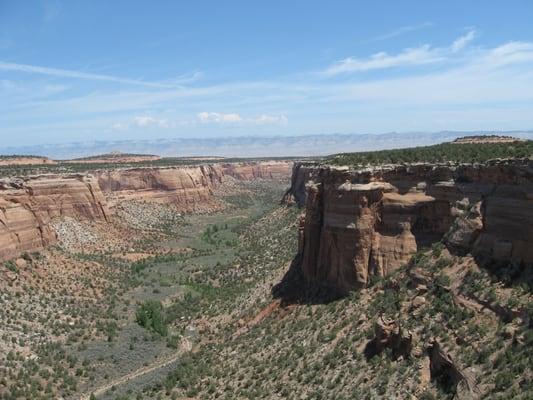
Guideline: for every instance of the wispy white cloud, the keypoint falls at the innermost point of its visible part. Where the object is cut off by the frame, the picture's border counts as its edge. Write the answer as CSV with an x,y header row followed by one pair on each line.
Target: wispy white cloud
x,y
142,121
463,41
65,73
401,31
511,53
416,56
216,117
119,126
268,119
262,119
408,57
145,121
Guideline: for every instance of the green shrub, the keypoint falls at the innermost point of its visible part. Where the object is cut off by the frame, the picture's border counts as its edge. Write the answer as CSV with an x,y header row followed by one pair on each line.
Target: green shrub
x,y
151,316
10,265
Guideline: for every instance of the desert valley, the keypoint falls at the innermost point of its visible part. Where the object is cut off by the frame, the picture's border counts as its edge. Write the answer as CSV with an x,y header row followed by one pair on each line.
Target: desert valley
x,y
400,274
282,200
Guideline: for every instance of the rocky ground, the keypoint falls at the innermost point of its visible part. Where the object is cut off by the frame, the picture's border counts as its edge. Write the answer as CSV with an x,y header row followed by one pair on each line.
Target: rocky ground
x,y
148,216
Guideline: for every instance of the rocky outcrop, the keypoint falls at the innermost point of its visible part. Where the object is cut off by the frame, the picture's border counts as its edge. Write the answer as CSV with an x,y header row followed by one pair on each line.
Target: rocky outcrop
x,y
275,170
28,205
390,335
359,223
301,174
189,188
447,373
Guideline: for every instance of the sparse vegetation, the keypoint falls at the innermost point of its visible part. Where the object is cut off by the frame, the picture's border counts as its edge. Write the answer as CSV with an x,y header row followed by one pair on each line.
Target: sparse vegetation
x,y
444,152
194,304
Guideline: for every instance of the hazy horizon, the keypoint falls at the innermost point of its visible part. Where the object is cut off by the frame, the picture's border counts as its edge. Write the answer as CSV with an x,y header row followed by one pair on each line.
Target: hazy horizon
x,y
250,146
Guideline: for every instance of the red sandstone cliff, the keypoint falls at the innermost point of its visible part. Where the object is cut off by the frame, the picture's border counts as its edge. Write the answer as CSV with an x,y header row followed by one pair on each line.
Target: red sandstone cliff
x,y
189,188
278,170
360,223
28,205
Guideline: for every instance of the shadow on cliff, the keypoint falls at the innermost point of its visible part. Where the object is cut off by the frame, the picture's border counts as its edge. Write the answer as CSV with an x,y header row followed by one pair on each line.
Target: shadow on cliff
x,y
508,273
293,288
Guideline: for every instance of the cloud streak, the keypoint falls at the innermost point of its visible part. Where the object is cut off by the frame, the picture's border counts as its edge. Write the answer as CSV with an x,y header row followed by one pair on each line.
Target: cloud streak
x,y
416,56
463,41
65,73
401,31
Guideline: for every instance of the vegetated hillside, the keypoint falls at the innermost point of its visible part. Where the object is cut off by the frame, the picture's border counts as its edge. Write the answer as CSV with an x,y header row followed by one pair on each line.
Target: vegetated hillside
x,y
439,328
444,152
440,325
111,307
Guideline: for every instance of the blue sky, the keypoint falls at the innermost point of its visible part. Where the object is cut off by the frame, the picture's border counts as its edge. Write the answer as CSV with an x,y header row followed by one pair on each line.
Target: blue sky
x,y
110,70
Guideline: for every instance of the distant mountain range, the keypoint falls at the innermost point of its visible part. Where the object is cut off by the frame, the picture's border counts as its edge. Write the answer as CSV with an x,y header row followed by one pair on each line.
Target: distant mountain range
x,y
250,146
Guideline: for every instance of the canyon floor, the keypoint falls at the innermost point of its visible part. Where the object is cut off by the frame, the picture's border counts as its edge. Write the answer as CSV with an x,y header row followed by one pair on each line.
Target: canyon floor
x,y
70,328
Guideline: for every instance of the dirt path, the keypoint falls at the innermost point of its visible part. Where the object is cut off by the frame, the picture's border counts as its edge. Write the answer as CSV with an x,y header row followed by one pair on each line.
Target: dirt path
x,y
132,375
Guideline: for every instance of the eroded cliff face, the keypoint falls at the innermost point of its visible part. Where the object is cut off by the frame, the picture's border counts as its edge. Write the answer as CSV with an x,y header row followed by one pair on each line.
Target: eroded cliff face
x,y
28,205
359,223
301,174
188,188
276,170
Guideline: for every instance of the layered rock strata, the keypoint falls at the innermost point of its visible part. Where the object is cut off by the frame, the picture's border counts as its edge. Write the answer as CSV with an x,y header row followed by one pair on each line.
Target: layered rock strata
x,y
188,188
274,170
28,205
360,223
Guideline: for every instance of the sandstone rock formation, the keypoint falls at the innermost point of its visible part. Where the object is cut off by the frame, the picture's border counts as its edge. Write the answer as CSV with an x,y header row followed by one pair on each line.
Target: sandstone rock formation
x,y
360,223
301,174
114,158
448,374
477,139
276,170
28,205
189,188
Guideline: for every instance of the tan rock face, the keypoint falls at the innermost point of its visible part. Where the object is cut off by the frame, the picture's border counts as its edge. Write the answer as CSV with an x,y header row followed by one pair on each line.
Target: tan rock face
x,y
278,170
27,207
363,223
189,188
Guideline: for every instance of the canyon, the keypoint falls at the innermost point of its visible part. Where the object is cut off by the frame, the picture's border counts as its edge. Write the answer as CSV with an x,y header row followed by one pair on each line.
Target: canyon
x,y
359,223
28,204
376,280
